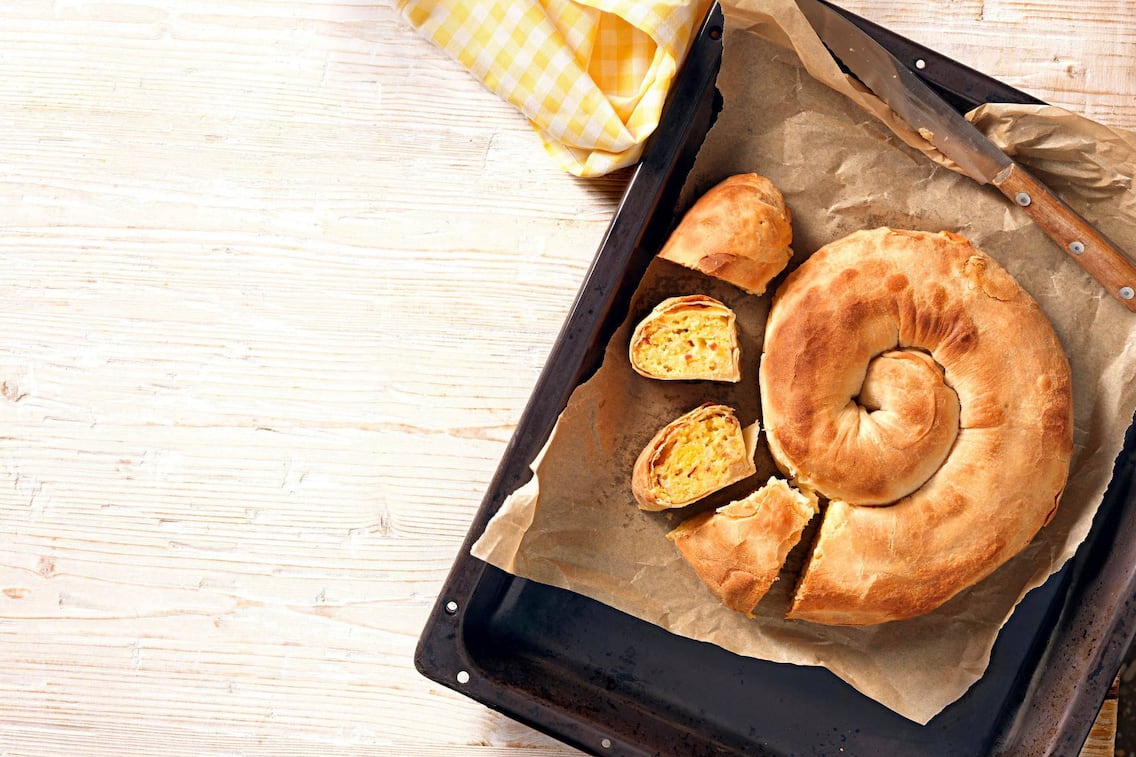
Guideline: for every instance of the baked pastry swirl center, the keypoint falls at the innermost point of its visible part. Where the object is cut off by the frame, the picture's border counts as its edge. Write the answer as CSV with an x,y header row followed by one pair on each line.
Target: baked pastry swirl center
x,y
893,434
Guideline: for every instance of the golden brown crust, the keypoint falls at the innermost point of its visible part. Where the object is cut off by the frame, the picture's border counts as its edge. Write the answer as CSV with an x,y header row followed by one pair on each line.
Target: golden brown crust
x,y
693,456
687,338
887,348
738,550
739,231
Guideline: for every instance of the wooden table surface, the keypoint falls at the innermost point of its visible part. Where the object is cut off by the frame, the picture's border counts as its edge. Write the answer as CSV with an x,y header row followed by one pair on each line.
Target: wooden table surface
x,y
278,277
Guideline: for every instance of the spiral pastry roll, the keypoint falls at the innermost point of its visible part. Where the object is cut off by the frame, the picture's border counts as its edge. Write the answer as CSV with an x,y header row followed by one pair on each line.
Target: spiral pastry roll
x,y
910,380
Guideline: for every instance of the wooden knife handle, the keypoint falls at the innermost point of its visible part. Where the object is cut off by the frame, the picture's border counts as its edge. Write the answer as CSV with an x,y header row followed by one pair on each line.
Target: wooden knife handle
x,y
1091,249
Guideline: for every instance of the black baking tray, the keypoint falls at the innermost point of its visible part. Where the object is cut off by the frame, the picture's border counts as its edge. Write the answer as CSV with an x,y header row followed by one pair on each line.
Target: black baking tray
x,y
610,684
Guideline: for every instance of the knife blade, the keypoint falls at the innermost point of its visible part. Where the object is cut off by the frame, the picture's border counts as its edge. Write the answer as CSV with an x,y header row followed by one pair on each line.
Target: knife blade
x,y
979,158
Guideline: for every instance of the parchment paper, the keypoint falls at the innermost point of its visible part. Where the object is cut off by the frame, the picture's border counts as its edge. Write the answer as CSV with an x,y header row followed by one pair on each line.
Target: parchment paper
x,y
575,524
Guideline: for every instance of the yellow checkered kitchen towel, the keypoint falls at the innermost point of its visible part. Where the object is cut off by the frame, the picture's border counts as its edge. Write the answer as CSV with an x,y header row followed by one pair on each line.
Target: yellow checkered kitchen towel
x,y
591,75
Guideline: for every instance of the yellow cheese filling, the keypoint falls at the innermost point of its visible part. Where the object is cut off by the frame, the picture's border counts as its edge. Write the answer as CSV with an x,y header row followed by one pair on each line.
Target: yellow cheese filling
x,y
698,456
691,343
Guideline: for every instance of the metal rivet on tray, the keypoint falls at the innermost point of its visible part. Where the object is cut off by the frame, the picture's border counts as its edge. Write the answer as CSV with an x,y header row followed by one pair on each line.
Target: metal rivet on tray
x,y
920,64
463,676
606,743
1076,247
451,607
1126,293
716,33
1023,199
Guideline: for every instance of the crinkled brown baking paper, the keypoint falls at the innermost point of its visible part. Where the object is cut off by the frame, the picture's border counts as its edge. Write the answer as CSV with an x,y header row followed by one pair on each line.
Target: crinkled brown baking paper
x,y
575,525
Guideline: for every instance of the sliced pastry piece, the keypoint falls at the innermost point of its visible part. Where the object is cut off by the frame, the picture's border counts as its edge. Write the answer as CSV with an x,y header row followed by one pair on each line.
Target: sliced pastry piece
x,y
691,337
739,231
691,457
738,550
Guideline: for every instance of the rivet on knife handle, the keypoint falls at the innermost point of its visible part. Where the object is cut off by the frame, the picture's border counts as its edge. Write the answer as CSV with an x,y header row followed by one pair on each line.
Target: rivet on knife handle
x,y
1091,249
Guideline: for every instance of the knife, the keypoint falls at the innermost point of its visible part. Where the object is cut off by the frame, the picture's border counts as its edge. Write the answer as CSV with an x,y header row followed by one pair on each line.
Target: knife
x,y
941,125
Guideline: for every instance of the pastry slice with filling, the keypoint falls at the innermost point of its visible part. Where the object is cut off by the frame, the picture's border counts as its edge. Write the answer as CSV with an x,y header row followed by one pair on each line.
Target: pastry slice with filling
x,y
693,456
693,337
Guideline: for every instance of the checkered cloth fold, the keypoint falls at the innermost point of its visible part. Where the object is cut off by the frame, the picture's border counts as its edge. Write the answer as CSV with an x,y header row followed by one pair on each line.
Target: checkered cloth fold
x,y
590,75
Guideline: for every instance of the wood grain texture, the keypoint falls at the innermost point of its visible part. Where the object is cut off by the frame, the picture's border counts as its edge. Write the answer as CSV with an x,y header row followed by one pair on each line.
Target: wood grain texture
x,y
278,278
1102,738
1075,55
